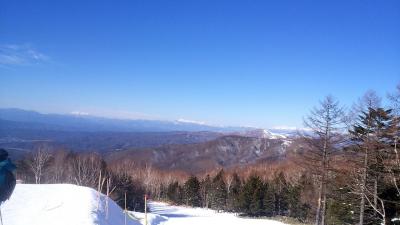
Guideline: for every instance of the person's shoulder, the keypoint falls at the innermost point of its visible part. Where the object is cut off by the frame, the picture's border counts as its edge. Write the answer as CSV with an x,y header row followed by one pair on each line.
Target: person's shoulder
x,y
7,164
11,166
3,163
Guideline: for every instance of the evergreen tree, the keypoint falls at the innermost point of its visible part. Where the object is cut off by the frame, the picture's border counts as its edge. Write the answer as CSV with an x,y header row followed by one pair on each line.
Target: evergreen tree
x,y
257,204
370,133
251,197
174,193
299,198
125,185
281,194
205,188
296,208
192,192
234,192
218,192
340,208
269,200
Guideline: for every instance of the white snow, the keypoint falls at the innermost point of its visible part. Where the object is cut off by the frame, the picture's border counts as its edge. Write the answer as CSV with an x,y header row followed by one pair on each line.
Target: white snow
x,y
165,214
190,121
271,135
66,204
60,204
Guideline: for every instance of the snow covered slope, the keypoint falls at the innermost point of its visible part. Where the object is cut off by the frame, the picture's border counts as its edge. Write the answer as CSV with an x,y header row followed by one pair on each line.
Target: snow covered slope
x,y
164,214
60,204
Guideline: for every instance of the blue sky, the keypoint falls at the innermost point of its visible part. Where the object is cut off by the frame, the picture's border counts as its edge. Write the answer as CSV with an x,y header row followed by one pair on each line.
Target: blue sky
x,y
256,63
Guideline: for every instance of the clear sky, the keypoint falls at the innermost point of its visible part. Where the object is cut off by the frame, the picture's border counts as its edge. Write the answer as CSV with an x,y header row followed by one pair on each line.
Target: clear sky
x,y
258,63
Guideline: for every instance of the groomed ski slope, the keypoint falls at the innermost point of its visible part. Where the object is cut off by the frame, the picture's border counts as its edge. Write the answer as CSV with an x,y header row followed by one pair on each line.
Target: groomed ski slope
x,y
60,204
66,204
164,214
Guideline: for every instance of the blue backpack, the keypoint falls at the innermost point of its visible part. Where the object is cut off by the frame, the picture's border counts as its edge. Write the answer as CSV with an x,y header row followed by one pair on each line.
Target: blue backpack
x,y
7,178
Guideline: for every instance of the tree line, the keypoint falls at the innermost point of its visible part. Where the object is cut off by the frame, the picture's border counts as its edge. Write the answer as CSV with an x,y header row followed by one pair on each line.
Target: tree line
x,y
251,197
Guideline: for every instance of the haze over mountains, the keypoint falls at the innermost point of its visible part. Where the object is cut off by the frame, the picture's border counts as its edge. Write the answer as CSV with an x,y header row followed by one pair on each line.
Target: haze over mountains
x,y
81,122
18,122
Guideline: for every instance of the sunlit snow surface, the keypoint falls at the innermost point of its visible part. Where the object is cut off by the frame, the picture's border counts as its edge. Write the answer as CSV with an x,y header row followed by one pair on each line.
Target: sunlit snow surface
x,y
164,214
65,204
60,204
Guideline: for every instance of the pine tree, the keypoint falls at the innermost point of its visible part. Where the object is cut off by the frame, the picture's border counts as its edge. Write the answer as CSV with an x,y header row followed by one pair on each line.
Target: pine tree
x,y
340,207
174,193
370,135
394,137
301,193
205,188
124,184
234,192
257,202
251,199
269,200
281,194
192,192
296,208
218,192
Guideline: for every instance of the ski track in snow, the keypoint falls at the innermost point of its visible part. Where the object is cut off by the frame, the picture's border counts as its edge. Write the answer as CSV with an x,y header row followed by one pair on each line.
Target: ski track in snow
x,y
164,214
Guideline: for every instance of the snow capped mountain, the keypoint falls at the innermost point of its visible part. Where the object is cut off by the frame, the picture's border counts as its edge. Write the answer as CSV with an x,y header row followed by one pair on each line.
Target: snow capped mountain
x,y
79,113
82,121
190,121
260,133
289,131
271,135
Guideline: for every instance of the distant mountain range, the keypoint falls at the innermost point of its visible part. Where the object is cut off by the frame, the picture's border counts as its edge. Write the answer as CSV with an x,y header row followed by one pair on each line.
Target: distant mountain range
x,y
168,145
78,122
22,130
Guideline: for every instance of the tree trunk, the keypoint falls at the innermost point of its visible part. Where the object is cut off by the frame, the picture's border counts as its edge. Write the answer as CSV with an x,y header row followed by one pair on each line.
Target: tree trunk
x,y
323,207
363,181
324,175
362,205
318,214
376,192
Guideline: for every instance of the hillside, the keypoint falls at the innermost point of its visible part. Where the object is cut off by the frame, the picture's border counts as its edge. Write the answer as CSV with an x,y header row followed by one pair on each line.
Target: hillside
x,y
226,151
26,140
60,204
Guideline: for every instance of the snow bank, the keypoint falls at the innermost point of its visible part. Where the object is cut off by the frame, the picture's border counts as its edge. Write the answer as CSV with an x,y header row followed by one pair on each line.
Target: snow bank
x,y
152,219
60,204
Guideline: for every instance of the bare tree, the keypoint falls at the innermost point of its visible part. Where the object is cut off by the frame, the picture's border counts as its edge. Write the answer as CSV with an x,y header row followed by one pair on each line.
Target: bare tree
x,y
86,169
326,124
148,178
38,161
57,171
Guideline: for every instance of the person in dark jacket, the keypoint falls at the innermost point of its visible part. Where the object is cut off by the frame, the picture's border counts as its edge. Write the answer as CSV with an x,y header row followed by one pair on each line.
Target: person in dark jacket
x,y
7,178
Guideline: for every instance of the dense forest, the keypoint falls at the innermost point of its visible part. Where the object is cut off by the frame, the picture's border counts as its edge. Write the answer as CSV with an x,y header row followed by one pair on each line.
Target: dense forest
x,y
345,169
